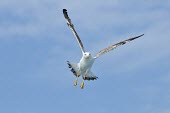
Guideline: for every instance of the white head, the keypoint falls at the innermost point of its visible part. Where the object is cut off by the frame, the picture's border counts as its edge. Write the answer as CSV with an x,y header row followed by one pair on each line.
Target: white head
x,y
87,55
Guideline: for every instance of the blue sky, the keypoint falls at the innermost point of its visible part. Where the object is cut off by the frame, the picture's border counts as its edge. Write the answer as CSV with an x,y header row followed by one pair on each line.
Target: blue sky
x,y
35,44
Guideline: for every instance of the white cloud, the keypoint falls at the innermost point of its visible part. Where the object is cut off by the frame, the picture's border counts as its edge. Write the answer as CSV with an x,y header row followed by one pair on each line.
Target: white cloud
x,y
28,18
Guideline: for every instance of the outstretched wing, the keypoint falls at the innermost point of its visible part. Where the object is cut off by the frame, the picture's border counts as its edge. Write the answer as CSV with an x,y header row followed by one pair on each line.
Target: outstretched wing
x,y
71,26
115,45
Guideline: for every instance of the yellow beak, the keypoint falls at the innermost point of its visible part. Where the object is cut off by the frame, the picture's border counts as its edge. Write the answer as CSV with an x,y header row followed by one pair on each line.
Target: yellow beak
x,y
88,56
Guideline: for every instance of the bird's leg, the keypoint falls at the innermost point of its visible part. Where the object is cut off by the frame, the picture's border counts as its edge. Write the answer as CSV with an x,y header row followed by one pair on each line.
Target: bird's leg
x,y
77,75
75,82
82,84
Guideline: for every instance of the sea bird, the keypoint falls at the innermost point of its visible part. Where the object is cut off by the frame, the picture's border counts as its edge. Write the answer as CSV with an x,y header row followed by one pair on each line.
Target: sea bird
x,y
83,68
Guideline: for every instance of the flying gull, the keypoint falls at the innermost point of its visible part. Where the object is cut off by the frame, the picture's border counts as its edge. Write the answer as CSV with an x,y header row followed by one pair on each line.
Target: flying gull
x,y
83,68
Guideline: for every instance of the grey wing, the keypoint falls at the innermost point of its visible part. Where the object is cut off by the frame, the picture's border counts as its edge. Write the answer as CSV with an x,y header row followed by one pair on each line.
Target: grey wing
x,y
71,26
116,45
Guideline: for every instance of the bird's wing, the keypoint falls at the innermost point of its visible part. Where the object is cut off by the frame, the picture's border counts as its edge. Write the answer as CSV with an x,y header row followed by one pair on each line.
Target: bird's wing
x,y
115,45
71,26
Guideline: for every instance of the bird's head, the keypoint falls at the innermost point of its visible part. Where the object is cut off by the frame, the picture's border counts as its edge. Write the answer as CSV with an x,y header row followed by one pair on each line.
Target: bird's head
x,y
87,55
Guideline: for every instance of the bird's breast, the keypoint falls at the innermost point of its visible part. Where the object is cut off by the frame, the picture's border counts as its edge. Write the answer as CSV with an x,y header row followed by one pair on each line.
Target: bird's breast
x,y
86,64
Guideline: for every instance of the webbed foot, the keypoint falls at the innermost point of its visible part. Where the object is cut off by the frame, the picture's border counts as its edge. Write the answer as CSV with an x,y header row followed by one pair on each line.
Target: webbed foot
x,y
75,82
82,85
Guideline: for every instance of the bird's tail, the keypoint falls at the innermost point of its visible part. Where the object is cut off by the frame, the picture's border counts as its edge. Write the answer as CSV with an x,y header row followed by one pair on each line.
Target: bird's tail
x,y
90,76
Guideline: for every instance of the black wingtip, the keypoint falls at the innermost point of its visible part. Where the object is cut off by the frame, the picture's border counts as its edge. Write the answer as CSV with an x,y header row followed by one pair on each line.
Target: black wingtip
x,y
142,35
64,10
65,13
134,38
138,36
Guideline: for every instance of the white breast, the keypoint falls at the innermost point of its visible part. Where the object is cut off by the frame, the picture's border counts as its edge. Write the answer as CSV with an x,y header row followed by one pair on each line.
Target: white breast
x,y
86,64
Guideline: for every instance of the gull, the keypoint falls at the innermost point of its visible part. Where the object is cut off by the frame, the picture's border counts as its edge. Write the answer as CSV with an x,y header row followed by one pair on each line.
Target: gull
x,y
83,68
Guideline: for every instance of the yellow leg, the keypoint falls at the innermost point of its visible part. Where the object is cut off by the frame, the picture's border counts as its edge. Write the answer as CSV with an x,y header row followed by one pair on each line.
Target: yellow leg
x,y
75,82
82,85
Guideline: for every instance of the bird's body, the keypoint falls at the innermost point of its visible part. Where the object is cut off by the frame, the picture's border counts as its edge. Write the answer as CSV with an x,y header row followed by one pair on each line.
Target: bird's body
x,y
83,68
86,64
